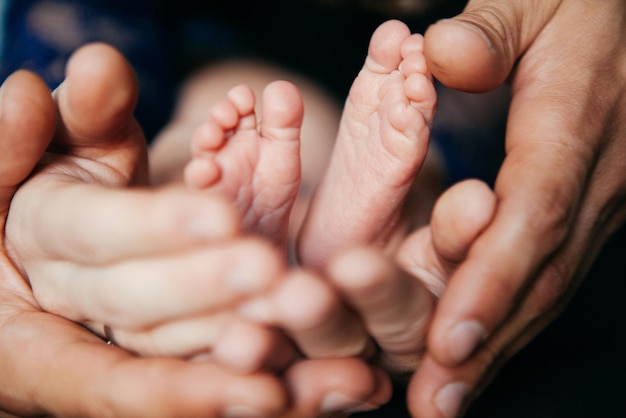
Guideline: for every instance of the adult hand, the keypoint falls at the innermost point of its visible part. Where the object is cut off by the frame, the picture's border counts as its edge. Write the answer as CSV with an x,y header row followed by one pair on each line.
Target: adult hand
x,y
54,366
560,190
94,235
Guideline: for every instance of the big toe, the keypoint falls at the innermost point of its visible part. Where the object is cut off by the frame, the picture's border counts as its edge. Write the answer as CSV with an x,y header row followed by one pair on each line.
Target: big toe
x,y
283,111
27,121
98,97
385,48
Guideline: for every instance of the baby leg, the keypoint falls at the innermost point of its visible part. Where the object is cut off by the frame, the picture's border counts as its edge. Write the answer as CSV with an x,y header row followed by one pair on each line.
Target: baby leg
x,y
382,142
254,162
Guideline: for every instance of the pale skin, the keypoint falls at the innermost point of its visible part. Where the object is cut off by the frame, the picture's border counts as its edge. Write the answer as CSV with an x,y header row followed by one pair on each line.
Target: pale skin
x,y
172,149
214,335
320,332
97,152
282,117
256,164
319,329
383,132
394,306
381,145
382,142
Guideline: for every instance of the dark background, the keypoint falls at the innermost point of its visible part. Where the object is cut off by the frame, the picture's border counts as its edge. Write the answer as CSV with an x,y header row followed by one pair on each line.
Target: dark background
x,y
576,367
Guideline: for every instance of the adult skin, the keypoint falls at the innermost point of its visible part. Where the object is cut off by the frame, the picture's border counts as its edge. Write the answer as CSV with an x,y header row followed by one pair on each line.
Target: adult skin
x,y
560,190
52,366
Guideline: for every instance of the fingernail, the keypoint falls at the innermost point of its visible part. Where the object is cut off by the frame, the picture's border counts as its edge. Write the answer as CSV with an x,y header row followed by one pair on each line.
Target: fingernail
x,y
471,27
334,402
450,398
463,339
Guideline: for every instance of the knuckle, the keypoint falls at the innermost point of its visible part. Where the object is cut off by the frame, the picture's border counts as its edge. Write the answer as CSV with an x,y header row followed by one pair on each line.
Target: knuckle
x,y
551,291
552,211
499,22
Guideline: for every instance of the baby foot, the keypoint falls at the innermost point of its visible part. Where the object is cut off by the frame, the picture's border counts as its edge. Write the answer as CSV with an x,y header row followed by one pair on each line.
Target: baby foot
x,y
254,162
382,142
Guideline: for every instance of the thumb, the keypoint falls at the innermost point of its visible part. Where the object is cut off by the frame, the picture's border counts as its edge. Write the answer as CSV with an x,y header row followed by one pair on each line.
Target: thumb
x,y
26,126
476,50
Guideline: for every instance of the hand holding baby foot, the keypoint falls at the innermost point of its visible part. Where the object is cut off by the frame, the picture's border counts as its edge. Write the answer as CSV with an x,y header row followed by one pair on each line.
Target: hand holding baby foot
x,y
94,379
69,232
394,298
395,307
561,186
94,235
254,162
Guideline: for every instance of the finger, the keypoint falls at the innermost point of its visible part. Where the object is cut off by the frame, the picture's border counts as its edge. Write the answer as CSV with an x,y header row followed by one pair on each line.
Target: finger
x,y
313,315
96,101
332,385
476,50
418,257
186,283
460,215
106,380
438,392
96,127
245,347
445,392
498,270
240,346
184,338
86,223
395,308
26,126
